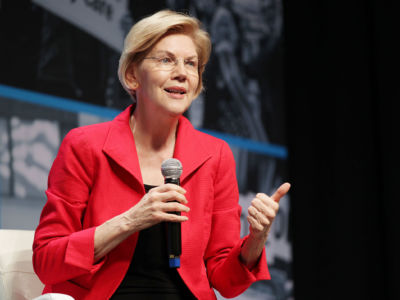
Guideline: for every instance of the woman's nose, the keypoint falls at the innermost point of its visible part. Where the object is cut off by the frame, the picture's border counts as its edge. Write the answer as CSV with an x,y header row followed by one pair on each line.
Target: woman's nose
x,y
180,69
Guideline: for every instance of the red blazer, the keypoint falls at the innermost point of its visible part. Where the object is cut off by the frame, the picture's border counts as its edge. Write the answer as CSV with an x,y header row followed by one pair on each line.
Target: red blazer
x,y
96,176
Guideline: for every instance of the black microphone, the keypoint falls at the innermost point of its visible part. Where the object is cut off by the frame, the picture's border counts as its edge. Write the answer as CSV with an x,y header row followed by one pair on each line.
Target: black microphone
x,y
171,169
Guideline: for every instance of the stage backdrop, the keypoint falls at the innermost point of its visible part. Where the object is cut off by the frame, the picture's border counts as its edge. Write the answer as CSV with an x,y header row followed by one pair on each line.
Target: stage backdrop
x,y
70,80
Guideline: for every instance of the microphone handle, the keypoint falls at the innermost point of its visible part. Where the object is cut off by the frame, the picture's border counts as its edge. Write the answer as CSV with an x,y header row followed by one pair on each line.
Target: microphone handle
x,y
174,244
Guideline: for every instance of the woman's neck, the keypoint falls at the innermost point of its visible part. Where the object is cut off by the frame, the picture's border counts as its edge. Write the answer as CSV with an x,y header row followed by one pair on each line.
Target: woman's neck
x,y
155,142
153,134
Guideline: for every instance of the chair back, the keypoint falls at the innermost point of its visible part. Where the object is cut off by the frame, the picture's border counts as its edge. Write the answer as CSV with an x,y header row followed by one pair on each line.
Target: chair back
x,y
18,281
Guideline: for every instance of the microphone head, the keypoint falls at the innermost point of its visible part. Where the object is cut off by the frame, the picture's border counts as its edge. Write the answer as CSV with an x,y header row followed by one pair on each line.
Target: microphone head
x,y
171,168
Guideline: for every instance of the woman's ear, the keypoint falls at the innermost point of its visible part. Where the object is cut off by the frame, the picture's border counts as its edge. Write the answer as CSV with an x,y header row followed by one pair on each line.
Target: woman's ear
x,y
130,78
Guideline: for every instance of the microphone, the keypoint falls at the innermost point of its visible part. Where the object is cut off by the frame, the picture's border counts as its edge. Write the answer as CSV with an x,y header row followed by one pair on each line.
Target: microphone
x,y
171,169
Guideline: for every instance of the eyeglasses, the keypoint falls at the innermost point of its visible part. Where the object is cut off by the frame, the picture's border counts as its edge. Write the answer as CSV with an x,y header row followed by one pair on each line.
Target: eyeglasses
x,y
168,63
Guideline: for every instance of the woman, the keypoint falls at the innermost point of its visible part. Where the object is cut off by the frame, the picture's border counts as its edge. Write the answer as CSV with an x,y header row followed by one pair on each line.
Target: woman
x,y
100,234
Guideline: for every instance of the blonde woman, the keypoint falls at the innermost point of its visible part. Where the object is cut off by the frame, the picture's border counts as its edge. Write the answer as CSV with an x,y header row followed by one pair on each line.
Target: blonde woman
x,y
101,231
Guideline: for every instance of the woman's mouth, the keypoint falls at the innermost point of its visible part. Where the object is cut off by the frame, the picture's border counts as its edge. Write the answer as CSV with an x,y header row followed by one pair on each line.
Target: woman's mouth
x,y
176,90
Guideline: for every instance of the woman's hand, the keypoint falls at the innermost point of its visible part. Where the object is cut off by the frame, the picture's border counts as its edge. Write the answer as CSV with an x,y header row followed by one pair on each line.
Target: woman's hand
x,y
261,214
262,211
153,208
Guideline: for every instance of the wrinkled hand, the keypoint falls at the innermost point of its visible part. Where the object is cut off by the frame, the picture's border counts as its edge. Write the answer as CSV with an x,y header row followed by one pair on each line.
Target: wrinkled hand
x,y
263,210
155,206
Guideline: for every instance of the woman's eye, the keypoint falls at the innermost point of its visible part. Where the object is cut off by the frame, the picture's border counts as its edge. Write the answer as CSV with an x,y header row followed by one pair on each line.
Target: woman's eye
x,y
165,60
191,63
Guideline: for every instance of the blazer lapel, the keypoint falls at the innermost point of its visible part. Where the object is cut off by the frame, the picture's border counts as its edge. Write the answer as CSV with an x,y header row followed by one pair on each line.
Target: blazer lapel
x,y
188,148
120,145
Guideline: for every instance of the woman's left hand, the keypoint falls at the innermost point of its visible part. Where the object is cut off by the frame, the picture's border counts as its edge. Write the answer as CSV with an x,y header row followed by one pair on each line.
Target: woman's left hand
x,y
263,210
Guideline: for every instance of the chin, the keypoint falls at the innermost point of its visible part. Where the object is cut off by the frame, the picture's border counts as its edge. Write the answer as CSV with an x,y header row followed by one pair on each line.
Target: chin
x,y
177,109
176,113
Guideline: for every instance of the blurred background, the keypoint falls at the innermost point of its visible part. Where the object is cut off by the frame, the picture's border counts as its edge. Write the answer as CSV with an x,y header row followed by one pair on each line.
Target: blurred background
x,y
303,91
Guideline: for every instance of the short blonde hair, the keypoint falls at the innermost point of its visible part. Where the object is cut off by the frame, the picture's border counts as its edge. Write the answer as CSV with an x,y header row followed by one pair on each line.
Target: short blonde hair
x,y
148,31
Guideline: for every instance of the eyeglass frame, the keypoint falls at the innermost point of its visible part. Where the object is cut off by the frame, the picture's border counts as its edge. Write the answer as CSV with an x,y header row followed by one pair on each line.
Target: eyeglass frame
x,y
174,62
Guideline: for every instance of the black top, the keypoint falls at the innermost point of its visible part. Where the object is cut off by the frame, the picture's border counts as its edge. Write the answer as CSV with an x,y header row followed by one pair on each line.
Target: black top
x,y
149,276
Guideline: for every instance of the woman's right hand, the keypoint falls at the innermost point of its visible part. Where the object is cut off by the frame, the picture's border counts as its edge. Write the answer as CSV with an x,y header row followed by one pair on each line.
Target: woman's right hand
x,y
156,206
153,208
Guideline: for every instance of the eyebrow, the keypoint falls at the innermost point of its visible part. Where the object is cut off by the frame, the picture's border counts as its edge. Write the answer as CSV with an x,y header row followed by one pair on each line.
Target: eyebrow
x,y
172,54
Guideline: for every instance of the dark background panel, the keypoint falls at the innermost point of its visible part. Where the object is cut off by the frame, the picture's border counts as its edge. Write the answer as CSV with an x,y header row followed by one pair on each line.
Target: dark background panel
x,y
341,86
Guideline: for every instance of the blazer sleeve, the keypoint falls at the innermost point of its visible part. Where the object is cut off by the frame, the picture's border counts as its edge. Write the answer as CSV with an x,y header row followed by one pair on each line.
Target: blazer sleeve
x,y
62,248
225,270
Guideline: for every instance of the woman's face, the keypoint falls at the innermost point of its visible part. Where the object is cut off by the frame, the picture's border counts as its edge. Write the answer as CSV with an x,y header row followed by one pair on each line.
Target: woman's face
x,y
168,76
